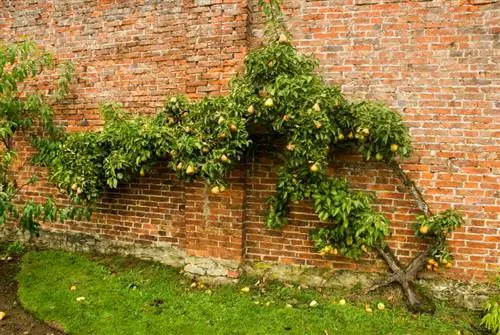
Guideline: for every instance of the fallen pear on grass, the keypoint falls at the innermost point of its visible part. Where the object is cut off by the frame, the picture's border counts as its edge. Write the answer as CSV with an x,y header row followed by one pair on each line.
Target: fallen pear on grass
x,y
269,103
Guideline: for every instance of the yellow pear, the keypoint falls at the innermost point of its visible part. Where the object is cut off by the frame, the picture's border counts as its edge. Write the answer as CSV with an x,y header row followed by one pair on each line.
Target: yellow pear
x,y
269,103
283,39
424,230
190,170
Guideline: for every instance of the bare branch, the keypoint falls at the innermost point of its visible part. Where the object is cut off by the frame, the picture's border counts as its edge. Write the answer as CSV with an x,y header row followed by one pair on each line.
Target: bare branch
x,y
389,258
388,280
418,262
415,192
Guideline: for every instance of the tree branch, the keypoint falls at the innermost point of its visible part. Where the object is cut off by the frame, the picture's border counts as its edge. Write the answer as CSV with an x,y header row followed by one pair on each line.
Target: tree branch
x,y
405,276
389,258
7,141
388,280
19,189
415,192
418,262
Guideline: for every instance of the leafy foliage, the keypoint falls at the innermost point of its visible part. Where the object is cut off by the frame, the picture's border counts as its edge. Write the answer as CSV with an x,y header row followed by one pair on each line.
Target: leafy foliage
x,y
491,319
20,109
438,227
15,249
356,226
275,19
439,224
201,139
279,92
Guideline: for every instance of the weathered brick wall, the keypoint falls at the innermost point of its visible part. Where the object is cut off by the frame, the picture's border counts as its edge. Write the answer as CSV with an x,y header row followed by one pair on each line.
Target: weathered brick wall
x,y
435,60
134,52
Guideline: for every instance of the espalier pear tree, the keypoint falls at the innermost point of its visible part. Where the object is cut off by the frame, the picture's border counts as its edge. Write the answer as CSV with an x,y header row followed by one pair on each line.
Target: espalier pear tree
x,y
280,93
24,108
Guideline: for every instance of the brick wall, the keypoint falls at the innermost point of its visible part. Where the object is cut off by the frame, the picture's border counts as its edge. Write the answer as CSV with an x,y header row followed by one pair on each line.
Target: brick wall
x,y
434,60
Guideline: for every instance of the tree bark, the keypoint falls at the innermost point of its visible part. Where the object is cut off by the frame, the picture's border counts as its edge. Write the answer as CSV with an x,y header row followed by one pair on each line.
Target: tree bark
x,y
410,185
405,276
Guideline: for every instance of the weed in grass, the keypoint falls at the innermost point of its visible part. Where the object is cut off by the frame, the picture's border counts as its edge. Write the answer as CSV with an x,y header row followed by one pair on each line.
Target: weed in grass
x,y
15,249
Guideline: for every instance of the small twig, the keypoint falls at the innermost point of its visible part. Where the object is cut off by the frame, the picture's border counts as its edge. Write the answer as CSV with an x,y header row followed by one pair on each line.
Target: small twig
x,y
18,189
7,142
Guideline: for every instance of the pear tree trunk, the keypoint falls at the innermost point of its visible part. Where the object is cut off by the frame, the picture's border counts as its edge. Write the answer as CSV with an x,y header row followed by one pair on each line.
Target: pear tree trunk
x,y
406,275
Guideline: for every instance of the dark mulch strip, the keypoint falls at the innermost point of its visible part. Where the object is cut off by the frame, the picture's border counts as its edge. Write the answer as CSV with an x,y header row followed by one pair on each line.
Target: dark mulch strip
x,y
17,321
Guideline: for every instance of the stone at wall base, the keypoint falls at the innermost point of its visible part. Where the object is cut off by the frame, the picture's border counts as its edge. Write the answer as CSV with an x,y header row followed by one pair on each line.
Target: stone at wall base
x,y
468,295
208,270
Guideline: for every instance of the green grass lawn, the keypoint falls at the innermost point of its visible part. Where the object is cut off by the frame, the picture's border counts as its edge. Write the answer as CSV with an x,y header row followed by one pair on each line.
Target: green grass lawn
x,y
128,296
